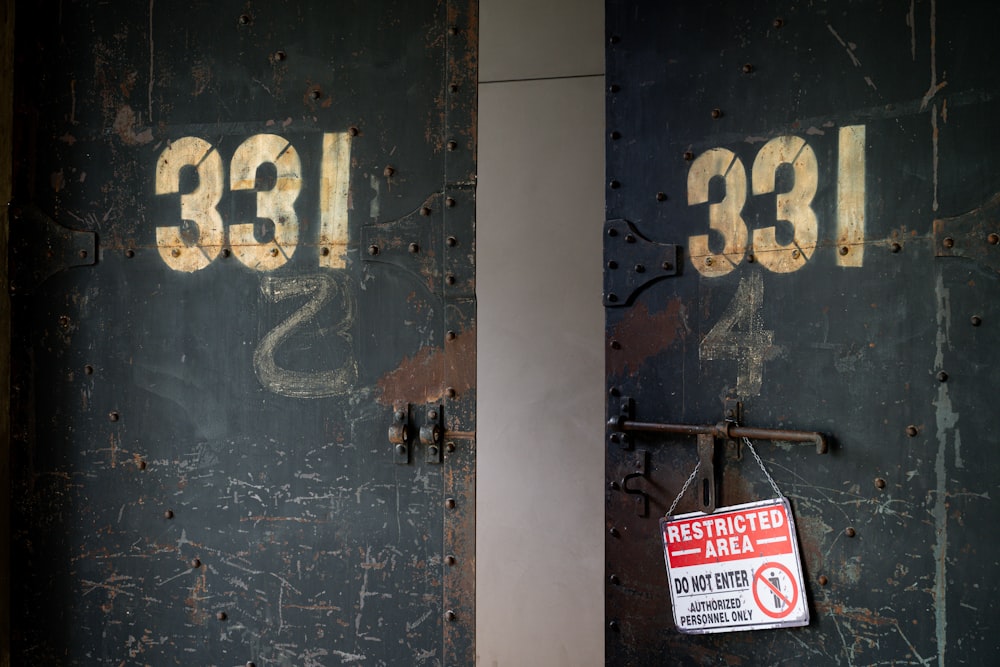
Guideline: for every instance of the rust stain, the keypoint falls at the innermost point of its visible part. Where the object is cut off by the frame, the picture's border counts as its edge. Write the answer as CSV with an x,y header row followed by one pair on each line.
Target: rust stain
x,y
643,334
125,127
424,377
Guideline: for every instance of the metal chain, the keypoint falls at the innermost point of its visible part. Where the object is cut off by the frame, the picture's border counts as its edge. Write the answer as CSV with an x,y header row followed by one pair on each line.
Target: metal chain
x,y
673,506
753,451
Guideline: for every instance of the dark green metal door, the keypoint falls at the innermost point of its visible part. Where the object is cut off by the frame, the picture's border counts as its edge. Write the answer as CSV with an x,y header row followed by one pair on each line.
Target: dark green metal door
x,y
802,236
244,333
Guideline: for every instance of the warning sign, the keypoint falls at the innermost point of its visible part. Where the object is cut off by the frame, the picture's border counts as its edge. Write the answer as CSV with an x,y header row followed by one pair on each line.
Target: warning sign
x,y
736,569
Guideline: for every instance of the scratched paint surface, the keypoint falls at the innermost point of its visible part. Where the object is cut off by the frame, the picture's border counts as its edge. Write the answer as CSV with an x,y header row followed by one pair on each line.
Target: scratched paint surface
x,y
202,473
799,156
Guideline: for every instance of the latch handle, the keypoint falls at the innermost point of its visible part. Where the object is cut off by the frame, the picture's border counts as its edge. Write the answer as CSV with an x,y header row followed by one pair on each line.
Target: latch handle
x,y
724,430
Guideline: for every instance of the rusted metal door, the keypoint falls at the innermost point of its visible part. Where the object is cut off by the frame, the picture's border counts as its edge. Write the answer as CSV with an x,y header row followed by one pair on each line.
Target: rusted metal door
x,y
802,236
244,333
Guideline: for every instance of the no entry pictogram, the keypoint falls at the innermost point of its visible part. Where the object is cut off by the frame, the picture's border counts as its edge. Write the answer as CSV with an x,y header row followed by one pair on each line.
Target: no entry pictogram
x,y
775,590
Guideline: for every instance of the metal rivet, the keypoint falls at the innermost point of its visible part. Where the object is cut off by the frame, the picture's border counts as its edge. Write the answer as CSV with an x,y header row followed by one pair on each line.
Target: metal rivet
x,y
353,131
612,264
388,171
425,211
130,253
708,261
83,254
222,616
280,55
614,185
250,664
942,376
449,560
716,113
449,202
450,335
401,449
616,135
629,238
450,279
399,415
688,155
912,431
751,258
613,532
615,345
450,616
895,247
452,145
169,514
432,414
850,532
114,416
639,268
176,252
823,581
141,464
226,252
450,392
614,88
778,23
195,563
748,68
614,39
614,580
613,485
450,447
661,196
451,241
64,321
612,232
449,503
324,252
795,254
453,87
433,451
949,242
315,94
245,19
614,391
414,248
613,626
844,250
453,30
667,266
612,298
993,239
373,250
274,252
879,483
976,320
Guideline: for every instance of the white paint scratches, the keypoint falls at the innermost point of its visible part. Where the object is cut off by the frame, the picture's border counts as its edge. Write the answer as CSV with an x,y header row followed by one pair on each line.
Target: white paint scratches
x,y
946,421
847,49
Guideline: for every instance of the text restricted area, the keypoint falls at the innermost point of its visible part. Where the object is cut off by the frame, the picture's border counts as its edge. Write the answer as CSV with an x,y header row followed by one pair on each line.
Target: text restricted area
x,y
736,569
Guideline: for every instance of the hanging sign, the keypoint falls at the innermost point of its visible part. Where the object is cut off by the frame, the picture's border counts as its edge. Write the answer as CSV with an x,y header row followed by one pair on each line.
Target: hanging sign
x,y
735,569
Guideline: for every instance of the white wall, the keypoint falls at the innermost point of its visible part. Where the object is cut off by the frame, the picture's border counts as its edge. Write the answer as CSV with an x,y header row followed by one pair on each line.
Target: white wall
x,y
540,498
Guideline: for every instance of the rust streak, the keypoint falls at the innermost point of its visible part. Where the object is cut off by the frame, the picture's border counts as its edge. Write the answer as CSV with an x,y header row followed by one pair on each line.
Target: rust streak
x,y
665,328
424,377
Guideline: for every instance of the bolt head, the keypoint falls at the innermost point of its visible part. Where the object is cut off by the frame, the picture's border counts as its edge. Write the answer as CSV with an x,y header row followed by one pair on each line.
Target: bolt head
x,y
975,320
414,248
912,431
373,250
850,532
401,450
942,376
895,247
949,242
222,616
195,563
879,483
993,239
748,68
823,581
168,514
388,171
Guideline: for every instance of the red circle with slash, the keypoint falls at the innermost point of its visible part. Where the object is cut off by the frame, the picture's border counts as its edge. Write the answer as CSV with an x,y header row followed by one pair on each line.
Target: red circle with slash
x,y
783,603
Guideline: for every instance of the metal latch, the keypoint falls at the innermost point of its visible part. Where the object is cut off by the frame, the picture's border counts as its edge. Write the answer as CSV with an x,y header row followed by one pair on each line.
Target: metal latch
x,y
623,424
402,430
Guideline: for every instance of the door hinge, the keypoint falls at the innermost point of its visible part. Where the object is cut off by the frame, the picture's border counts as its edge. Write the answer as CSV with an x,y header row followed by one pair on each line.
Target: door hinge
x,y
631,261
39,247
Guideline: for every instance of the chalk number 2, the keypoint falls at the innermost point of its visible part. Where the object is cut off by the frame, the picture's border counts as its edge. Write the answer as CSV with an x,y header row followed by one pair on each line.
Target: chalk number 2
x,y
794,207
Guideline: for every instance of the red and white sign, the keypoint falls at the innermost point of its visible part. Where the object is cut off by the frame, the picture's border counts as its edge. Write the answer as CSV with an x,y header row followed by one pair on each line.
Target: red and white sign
x,y
736,569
